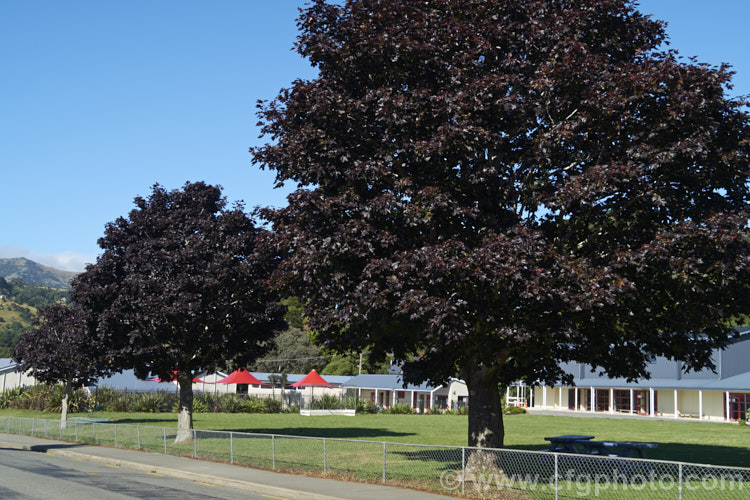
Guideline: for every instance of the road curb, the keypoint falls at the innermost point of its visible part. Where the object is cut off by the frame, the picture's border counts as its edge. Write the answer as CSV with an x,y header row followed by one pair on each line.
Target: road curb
x,y
176,473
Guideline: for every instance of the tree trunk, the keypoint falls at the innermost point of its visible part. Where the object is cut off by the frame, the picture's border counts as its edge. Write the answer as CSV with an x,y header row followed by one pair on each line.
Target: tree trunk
x,y
485,408
185,416
65,404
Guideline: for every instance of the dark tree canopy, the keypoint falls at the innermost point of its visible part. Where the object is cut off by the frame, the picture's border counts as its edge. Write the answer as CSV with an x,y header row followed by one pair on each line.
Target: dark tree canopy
x,y
496,186
59,349
181,286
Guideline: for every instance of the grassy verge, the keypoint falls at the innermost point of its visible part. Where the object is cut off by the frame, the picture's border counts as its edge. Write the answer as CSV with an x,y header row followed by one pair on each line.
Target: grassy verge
x,y
698,442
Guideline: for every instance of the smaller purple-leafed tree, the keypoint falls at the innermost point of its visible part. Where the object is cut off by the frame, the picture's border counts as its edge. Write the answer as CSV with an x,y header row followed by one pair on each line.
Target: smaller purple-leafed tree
x,y
180,289
60,349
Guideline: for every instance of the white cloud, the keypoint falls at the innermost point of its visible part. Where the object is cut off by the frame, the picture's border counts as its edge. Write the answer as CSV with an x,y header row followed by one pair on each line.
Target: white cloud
x,y
67,261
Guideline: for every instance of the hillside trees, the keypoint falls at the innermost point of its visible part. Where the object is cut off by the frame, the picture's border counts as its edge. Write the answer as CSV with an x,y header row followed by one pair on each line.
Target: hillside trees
x,y
179,288
291,351
491,187
60,349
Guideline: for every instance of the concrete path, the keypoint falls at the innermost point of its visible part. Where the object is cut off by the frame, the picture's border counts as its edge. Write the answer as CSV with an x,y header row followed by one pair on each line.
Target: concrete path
x,y
274,484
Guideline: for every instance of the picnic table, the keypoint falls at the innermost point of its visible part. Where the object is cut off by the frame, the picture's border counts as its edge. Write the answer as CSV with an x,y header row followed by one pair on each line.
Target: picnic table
x,y
566,443
571,443
617,448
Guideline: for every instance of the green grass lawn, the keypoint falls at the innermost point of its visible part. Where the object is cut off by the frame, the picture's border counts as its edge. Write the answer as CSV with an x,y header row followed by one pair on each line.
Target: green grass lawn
x,y
698,442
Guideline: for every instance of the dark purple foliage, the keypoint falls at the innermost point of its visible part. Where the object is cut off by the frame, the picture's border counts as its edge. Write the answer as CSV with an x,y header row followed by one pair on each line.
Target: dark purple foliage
x,y
181,285
494,186
59,348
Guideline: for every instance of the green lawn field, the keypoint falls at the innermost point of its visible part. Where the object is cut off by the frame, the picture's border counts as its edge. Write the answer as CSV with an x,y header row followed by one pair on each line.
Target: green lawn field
x,y
697,442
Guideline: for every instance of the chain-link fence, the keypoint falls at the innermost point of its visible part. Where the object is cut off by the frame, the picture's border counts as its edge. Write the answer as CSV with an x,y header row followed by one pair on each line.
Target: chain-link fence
x,y
471,472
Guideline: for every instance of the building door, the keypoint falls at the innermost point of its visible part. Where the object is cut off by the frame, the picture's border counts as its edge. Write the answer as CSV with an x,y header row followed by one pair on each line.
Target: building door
x,y
622,400
602,399
739,405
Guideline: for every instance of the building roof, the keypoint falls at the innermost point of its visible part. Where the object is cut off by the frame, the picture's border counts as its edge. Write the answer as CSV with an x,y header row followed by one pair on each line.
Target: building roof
x,y
7,364
732,371
386,382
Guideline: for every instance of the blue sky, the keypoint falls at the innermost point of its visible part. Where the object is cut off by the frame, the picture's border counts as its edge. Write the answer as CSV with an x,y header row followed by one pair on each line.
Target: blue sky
x,y
100,100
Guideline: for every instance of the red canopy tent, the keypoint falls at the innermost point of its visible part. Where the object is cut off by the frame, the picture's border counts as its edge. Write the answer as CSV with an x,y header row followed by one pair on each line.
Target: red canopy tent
x,y
196,380
241,376
312,379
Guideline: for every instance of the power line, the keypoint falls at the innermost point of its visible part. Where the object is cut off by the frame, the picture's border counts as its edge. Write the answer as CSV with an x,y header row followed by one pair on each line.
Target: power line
x,y
291,359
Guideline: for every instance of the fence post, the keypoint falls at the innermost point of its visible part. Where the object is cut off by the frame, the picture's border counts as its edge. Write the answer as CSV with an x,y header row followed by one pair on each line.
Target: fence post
x,y
325,465
33,421
93,431
557,489
20,421
680,484
164,429
463,470
195,444
138,435
115,435
273,451
383,463
75,426
45,428
59,429
231,447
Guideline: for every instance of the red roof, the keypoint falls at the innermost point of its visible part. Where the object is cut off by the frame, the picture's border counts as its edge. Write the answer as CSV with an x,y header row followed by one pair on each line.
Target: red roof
x,y
241,376
312,379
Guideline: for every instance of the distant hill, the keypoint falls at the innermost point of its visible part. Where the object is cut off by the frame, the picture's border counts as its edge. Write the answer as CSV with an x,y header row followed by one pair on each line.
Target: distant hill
x,y
33,273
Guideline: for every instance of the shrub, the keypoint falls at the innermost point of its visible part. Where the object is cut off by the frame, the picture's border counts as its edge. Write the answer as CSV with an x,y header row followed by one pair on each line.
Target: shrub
x,y
155,402
109,399
454,411
44,397
400,409
272,405
254,405
33,398
9,396
513,410
291,409
231,403
205,403
80,401
328,402
366,407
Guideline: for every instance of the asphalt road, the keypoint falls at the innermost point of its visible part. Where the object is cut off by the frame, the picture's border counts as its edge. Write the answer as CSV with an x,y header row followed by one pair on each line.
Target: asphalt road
x,y
26,475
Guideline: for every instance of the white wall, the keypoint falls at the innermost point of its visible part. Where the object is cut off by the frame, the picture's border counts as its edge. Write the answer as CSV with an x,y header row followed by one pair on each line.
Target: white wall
x,y
10,379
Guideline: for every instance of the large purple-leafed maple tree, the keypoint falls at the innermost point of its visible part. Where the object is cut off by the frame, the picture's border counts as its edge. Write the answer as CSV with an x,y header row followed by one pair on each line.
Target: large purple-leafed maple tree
x,y
180,289
60,349
489,187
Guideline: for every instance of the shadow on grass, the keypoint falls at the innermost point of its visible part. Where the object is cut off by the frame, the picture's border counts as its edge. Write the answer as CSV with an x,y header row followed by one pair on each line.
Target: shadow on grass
x,y
330,432
449,458
141,421
685,452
